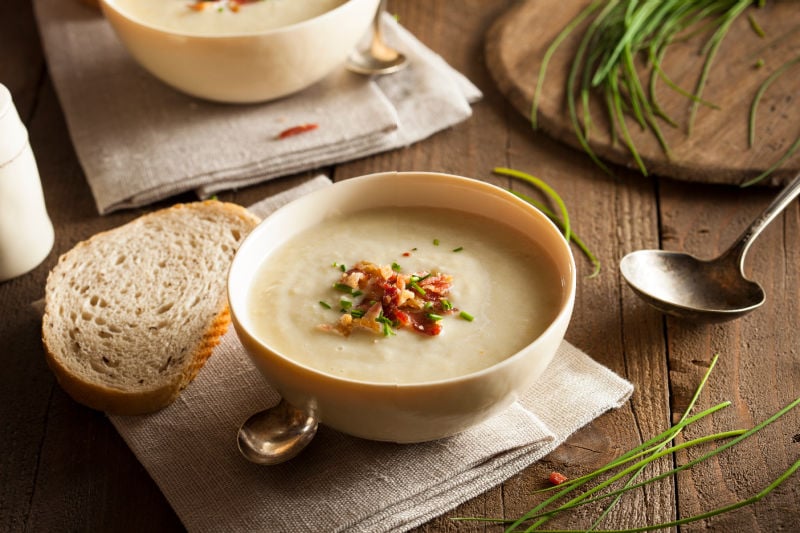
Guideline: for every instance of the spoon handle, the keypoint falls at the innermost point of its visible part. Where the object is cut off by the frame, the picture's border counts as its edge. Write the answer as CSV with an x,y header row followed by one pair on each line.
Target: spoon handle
x,y
742,244
377,46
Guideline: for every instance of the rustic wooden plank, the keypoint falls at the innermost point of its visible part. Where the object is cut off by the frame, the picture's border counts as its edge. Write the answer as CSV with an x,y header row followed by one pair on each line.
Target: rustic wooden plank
x,y
65,467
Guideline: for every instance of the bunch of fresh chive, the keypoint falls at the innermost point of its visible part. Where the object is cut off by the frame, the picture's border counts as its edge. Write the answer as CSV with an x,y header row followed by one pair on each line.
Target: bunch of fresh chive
x,y
617,33
627,468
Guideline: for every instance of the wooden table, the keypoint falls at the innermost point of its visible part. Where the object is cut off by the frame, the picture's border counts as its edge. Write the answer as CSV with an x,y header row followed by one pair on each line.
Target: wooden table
x,y
64,468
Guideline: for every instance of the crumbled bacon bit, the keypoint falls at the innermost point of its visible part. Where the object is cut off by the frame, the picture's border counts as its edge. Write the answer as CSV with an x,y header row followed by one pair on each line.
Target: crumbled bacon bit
x,y
296,130
557,478
391,299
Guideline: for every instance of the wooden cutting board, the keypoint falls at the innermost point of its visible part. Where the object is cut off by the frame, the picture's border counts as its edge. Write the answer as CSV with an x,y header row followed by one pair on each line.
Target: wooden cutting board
x,y
716,150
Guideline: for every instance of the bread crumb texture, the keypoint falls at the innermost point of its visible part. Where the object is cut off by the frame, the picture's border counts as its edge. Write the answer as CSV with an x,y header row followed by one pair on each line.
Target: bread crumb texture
x,y
132,314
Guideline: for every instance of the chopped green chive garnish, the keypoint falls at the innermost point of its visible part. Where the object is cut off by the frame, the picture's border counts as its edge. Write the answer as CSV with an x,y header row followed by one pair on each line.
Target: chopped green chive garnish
x,y
458,249
396,267
387,325
344,287
345,304
414,285
466,316
357,313
446,305
435,317
428,305
326,305
436,242
357,293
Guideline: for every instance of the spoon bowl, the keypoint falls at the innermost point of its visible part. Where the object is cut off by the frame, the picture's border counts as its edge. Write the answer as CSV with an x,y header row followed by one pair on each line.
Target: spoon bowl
x,y
682,285
379,58
277,434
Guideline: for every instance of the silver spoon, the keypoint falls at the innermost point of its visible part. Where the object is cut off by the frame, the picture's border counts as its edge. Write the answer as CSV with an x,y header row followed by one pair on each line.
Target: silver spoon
x,y
379,58
712,290
277,434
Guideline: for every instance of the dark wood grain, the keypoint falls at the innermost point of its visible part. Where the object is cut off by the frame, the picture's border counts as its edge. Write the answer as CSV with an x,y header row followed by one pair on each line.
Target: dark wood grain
x,y
714,147
64,467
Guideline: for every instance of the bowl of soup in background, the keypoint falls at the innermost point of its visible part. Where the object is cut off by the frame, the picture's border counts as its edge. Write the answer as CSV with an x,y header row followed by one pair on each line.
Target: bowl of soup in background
x,y
513,276
258,52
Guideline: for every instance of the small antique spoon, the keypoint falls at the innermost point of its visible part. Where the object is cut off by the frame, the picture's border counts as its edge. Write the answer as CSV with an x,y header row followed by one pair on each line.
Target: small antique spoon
x,y
379,58
277,434
712,290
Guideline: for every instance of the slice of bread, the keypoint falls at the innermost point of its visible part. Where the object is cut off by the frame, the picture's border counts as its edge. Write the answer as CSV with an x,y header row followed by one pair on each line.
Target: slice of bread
x,y
132,314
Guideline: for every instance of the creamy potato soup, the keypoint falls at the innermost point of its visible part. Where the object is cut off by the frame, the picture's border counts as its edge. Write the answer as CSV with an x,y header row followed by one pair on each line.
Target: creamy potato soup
x,y
224,17
404,295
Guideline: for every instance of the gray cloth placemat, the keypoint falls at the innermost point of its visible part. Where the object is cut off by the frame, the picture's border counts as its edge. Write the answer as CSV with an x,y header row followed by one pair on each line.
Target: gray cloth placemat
x,y
341,483
140,141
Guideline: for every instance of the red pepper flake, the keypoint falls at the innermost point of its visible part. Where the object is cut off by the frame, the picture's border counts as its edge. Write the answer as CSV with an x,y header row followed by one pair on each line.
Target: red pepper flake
x,y
557,478
296,130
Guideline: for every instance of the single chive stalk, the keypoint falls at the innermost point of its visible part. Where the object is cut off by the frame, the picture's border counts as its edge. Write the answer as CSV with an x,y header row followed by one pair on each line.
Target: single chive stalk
x,y
434,317
459,249
755,26
562,223
446,305
751,133
326,305
396,267
544,187
466,316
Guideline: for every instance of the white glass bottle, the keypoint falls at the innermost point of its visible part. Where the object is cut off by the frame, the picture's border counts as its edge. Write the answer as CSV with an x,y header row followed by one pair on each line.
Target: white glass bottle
x,y
26,233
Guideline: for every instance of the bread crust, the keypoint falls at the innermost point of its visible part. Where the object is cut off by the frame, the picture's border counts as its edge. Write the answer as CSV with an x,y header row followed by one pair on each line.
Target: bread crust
x,y
146,399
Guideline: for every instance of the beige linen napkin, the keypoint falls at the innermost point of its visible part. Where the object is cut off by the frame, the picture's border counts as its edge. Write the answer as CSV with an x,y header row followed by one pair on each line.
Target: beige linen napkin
x,y
341,483
140,141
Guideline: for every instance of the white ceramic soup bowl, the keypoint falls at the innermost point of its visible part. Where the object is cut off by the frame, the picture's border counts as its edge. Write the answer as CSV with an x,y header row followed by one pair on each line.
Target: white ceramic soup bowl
x,y
246,68
412,412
